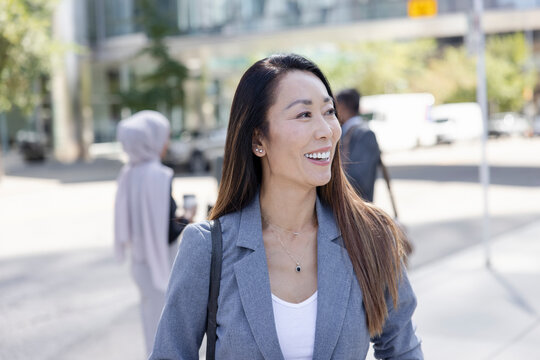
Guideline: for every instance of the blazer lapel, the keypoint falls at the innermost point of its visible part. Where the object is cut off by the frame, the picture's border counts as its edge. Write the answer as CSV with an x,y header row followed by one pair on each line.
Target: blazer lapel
x,y
334,277
254,283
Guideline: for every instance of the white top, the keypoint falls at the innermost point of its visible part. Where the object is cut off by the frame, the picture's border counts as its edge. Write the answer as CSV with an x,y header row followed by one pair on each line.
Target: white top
x,y
295,325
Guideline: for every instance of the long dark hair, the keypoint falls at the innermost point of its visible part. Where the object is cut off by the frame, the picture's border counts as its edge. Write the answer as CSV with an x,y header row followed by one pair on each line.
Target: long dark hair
x,y
374,243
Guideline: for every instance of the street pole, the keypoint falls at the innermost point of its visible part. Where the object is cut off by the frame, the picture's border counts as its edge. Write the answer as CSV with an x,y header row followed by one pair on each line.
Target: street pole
x,y
481,98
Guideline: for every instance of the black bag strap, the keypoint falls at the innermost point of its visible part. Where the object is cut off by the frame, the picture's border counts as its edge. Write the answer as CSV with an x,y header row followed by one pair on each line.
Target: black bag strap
x,y
215,278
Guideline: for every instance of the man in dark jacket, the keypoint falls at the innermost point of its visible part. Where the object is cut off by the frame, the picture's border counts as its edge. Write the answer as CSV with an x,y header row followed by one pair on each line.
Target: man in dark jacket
x,y
359,148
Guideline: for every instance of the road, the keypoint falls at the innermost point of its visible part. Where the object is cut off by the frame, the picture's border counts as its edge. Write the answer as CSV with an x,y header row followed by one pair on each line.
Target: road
x,y
62,296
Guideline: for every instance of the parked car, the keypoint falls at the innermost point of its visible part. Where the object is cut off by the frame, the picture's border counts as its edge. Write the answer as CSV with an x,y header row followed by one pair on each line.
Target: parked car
x,y
457,121
400,121
32,145
445,130
196,149
509,124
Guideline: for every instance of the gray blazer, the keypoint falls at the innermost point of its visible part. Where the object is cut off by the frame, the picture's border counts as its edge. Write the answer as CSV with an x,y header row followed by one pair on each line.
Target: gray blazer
x,y
245,317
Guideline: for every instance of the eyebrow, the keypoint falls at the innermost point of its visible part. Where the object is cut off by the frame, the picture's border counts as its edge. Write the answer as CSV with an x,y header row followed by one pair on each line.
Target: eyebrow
x,y
306,102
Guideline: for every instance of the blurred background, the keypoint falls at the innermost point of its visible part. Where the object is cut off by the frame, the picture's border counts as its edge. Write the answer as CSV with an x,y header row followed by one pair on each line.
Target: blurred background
x,y
70,70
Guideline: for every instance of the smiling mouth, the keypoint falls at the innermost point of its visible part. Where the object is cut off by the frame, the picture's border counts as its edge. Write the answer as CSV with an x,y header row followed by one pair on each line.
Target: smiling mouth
x,y
321,156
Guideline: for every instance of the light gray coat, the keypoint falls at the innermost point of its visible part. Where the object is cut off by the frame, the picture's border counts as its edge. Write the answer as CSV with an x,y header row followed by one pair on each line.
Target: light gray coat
x,y
246,328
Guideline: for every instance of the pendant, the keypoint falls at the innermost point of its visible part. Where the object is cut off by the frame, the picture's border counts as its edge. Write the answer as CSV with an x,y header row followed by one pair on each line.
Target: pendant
x,y
298,268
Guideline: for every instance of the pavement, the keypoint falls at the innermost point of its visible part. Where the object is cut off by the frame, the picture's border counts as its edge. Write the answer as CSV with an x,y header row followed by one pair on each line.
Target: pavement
x,y
468,310
62,296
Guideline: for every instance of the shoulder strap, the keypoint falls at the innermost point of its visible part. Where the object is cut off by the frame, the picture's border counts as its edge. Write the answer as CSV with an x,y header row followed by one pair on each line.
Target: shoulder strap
x,y
215,278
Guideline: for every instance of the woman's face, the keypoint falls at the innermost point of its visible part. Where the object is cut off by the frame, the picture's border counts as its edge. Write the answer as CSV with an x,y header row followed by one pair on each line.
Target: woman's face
x,y
302,132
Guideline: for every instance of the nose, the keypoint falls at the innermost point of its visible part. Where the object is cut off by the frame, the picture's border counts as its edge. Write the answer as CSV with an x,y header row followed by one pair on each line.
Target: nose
x,y
323,129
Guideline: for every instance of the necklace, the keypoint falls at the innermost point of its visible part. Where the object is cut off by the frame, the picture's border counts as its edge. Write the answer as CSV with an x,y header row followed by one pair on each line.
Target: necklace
x,y
295,234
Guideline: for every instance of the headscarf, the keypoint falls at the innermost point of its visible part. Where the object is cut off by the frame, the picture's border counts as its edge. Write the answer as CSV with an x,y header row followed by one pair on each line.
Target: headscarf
x,y
143,196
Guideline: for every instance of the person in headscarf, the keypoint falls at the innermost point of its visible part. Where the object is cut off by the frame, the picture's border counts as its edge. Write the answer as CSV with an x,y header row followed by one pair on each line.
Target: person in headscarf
x,y
145,212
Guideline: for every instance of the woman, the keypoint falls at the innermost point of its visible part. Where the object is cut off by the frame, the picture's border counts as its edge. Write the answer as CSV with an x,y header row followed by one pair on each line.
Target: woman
x,y
309,269
145,212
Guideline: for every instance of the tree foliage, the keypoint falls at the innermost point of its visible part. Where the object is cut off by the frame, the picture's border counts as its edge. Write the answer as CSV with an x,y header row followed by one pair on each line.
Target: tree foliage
x,y
164,84
26,49
448,72
379,67
450,76
510,72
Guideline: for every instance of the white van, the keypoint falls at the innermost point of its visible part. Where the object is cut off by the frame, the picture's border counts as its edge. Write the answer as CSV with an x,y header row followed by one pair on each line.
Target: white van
x,y
458,121
400,121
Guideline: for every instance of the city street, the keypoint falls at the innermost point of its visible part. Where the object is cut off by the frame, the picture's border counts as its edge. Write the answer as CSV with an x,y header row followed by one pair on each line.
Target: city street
x,y
83,80
62,295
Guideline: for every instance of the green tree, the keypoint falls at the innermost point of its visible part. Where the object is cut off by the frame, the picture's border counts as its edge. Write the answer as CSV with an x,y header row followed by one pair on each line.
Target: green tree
x,y
451,76
378,67
449,73
164,84
26,49
510,71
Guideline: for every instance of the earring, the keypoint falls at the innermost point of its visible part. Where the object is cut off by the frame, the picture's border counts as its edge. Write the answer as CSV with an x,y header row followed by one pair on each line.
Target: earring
x,y
260,151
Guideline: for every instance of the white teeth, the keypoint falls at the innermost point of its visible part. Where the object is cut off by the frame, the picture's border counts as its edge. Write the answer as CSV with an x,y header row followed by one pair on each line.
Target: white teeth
x,y
324,155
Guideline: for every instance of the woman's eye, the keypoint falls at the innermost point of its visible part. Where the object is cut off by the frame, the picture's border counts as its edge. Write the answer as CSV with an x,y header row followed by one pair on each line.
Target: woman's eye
x,y
331,112
304,115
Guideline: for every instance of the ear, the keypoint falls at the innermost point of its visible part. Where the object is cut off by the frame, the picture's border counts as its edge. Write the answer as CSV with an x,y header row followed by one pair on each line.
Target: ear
x,y
257,144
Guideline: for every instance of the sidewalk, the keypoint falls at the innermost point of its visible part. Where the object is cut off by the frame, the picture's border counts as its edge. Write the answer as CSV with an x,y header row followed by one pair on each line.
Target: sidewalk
x,y
468,311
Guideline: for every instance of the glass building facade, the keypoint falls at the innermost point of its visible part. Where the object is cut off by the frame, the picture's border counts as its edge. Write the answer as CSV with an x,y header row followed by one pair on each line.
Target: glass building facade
x,y
189,17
